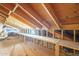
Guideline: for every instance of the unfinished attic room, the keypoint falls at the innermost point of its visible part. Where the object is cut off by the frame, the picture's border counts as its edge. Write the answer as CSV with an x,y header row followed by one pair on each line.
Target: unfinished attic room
x,y
39,29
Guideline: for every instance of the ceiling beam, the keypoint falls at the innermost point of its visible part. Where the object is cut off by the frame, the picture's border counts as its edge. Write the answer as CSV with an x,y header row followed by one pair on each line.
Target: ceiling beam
x,y
20,18
8,6
10,24
3,15
23,14
13,9
2,19
4,10
18,23
10,11
32,16
4,6
71,27
50,15
39,12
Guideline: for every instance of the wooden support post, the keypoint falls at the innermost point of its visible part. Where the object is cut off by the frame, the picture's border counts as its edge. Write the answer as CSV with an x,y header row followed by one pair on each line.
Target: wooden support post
x,y
32,39
27,31
35,31
57,50
47,44
24,36
53,47
38,32
46,33
30,30
74,37
62,34
42,35
47,36
53,33
41,32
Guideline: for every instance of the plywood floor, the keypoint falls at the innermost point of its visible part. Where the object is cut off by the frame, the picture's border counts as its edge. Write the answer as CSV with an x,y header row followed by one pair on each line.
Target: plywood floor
x,y
17,47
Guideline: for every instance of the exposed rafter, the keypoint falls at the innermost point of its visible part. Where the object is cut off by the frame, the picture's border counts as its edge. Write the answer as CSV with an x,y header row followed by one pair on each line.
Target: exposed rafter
x,y
10,26
4,10
1,14
10,11
32,16
13,9
71,27
50,15
20,18
53,16
4,6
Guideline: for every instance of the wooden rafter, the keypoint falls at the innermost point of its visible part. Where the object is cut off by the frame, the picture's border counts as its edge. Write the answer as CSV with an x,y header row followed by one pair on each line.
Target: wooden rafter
x,y
11,25
13,9
4,7
3,15
4,10
10,11
34,9
32,16
50,15
71,27
18,17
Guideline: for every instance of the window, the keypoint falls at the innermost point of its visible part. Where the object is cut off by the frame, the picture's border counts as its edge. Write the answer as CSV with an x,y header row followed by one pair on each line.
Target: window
x,y
68,34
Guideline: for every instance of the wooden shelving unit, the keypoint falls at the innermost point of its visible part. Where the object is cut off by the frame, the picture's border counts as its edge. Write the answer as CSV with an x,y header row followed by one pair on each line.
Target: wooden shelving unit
x,y
66,45
67,51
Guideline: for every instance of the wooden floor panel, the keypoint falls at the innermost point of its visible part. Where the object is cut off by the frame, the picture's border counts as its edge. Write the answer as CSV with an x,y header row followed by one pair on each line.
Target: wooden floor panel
x,y
8,47
37,49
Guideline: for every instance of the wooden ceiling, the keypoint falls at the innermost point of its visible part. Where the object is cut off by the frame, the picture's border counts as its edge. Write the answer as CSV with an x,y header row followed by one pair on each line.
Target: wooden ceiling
x,y
39,15
66,13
